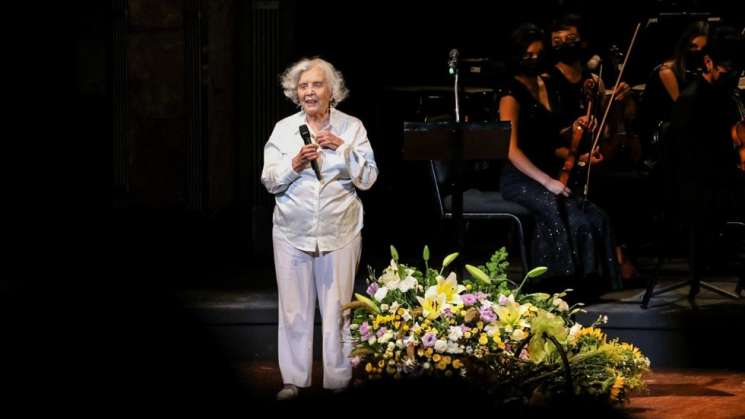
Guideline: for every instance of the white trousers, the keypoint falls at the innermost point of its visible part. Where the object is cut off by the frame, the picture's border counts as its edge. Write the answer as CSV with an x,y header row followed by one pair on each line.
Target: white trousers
x,y
300,277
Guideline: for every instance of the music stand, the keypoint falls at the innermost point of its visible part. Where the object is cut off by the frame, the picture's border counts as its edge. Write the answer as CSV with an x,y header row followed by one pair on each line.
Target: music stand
x,y
456,142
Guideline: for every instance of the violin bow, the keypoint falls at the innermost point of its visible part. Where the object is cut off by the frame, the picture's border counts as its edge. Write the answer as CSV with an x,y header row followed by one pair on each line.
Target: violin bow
x,y
607,108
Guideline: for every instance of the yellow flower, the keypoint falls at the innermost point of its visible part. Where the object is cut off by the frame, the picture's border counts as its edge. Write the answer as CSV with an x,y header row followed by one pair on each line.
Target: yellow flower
x,y
469,287
633,349
519,334
368,367
397,325
449,288
436,357
441,365
431,304
483,340
401,311
406,327
381,364
512,315
429,351
591,331
446,359
456,363
420,352
467,335
480,325
617,388
497,340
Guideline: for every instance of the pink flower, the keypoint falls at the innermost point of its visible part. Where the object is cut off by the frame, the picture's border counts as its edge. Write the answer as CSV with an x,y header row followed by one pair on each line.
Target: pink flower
x,y
381,331
487,314
429,339
364,330
468,299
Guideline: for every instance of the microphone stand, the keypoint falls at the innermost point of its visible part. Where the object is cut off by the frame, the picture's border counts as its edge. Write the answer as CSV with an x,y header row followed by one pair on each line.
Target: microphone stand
x,y
457,162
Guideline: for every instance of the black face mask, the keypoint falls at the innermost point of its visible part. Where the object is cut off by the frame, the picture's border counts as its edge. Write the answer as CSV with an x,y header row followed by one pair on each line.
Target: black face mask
x,y
531,66
694,62
568,52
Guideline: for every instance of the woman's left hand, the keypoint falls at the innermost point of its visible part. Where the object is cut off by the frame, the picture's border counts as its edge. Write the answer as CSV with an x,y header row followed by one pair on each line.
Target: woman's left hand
x,y
326,139
596,157
623,90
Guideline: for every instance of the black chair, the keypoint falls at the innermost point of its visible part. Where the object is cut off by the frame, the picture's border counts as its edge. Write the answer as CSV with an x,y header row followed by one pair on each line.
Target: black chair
x,y
481,205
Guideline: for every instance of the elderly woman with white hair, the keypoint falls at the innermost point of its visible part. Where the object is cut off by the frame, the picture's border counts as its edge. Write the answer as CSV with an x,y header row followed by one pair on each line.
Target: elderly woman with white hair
x,y
317,220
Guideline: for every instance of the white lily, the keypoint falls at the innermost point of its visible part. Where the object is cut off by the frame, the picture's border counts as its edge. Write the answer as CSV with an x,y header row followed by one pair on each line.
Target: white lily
x,y
407,284
391,280
380,294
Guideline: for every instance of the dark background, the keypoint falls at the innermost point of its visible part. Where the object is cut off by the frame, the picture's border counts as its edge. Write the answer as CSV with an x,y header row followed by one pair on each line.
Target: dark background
x,y
186,93
191,91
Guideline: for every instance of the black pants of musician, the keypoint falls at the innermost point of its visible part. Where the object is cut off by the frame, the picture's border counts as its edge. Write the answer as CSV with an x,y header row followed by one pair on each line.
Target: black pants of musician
x,y
570,239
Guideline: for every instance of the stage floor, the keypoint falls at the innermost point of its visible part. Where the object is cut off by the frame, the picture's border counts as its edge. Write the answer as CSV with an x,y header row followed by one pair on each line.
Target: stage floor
x,y
682,394
697,367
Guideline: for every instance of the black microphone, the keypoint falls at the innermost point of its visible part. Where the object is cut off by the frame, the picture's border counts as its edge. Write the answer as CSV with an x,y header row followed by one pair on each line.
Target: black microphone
x,y
453,61
305,133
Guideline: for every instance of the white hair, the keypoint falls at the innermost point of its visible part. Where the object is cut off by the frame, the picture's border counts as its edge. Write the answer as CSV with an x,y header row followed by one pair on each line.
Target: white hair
x,y
335,80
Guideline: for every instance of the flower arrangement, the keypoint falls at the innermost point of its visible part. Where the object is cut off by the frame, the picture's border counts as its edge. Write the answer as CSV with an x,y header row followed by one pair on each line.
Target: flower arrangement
x,y
484,329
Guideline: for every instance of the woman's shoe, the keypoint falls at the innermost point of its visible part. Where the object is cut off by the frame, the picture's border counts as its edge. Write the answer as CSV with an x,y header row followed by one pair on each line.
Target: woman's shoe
x,y
289,392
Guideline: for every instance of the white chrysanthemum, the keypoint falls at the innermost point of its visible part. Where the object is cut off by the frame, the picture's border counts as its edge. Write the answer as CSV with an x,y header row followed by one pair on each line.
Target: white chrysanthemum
x,y
455,333
454,348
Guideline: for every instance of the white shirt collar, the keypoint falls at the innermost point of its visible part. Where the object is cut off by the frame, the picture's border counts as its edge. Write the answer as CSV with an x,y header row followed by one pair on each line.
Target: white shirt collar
x,y
333,118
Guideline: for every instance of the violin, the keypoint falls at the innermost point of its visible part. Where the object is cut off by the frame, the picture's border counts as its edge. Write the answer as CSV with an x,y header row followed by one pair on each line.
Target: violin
x,y
738,130
590,89
622,146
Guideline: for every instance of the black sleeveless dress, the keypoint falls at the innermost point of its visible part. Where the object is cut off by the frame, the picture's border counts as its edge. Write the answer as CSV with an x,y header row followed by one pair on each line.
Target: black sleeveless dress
x,y
571,240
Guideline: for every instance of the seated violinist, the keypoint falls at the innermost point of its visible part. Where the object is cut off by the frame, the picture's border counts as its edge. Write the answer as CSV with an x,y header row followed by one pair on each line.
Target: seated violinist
x,y
573,241
582,93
